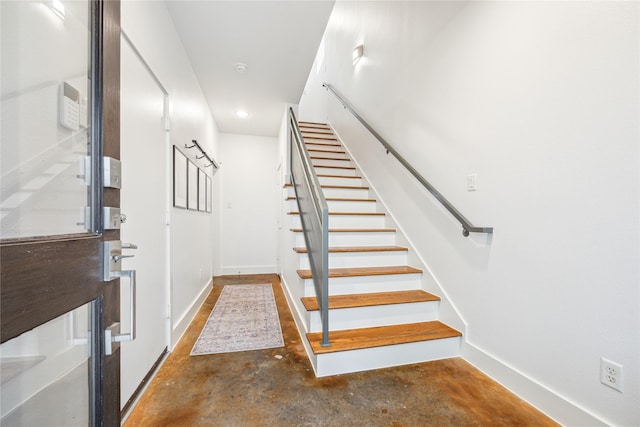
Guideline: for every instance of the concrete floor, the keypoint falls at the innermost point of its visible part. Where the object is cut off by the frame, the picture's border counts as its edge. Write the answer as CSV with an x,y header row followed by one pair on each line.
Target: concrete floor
x,y
256,388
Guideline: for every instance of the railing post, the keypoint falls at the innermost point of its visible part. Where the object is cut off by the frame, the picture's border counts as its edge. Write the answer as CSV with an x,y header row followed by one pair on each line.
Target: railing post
x,y
325,278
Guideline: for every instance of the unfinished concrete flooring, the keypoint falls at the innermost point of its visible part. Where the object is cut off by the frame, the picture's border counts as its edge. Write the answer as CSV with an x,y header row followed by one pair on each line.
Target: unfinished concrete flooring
x,y
277,387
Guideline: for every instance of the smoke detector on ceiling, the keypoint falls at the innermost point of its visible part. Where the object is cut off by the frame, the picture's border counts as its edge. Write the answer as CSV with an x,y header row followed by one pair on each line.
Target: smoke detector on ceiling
x,y
240,67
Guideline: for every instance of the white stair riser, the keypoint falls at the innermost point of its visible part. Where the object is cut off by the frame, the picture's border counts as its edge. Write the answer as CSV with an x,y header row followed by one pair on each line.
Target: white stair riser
x,y
381,357
360,259
357,221
350,193
351,206
326,152
323,143
333,171
354,239
365,284
368,317
341,206
347,221
327,162
329,180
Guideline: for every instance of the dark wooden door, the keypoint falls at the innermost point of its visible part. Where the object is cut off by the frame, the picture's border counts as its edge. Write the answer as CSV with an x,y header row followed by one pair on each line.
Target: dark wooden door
x,y
45,277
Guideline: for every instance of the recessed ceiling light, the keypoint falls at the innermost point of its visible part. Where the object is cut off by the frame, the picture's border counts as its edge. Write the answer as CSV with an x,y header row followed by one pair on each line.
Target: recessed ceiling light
x,y
241,114
240,67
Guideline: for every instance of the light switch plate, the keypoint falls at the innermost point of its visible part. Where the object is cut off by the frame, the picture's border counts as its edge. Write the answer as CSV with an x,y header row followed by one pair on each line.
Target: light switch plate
x,y
471,182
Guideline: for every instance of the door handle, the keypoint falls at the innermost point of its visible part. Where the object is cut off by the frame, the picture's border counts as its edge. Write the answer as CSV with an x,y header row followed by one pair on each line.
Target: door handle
x,y
112,335
131,274
112,256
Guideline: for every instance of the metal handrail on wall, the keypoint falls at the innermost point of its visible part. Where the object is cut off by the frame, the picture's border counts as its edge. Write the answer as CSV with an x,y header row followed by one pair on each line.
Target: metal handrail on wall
x,y
467,227
314,218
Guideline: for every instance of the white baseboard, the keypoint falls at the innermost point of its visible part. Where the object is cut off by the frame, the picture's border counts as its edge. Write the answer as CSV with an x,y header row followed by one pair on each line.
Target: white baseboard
x,y
180,326
249,269
547,401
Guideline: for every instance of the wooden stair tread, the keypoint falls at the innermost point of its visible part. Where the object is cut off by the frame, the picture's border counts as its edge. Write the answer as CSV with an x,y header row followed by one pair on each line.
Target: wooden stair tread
x,y
314,126
370,299
363,271
350,249
326,151
321,175
328,158
321,142
335,167
339,199
358,213
349,213
356,339
342,187
346,187
317,131
347,199
353,230
312,123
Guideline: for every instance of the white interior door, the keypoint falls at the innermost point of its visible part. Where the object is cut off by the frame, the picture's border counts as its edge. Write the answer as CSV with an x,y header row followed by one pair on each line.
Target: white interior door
x,y
144,202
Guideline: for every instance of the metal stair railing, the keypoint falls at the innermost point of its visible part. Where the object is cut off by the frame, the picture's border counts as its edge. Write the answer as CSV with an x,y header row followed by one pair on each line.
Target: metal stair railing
x,y
467,226
314,217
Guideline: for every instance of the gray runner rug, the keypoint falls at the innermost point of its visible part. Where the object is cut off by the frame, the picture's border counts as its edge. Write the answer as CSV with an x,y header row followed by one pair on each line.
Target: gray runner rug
x,y
244,318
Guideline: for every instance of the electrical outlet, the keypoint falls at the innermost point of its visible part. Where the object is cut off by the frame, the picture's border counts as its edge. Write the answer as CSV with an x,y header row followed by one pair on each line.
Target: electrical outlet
x,y
611,374
471,182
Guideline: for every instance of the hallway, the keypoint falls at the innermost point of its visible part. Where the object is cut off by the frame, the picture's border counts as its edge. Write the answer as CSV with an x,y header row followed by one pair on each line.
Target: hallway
x,y
277,387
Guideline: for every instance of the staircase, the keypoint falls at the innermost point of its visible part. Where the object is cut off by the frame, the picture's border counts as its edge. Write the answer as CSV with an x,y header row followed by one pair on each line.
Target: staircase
x,y
378,314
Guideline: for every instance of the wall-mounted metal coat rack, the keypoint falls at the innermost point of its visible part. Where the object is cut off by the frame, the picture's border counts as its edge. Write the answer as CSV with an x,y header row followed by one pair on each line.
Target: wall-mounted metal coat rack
x,y
204,155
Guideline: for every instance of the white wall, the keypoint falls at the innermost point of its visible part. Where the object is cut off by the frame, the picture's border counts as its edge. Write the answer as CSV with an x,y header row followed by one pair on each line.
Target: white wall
x,y
540,100
249,204
149,26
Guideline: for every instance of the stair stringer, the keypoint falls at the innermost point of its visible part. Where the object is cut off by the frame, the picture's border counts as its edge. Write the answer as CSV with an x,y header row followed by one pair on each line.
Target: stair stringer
x,y
448,312
295,306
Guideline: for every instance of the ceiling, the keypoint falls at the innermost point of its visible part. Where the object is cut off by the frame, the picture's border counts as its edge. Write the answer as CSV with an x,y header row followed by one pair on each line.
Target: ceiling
x,y
277,40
